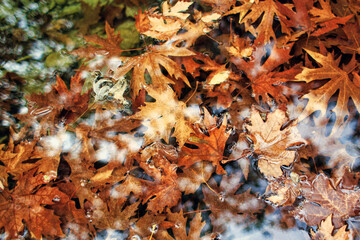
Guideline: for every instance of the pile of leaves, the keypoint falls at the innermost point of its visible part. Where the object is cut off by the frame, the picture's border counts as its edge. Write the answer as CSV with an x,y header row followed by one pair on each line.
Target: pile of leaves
x,y
230,111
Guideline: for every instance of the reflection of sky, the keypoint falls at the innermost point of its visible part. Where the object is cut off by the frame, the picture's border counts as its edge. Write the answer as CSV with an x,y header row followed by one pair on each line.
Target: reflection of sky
x,y
267,230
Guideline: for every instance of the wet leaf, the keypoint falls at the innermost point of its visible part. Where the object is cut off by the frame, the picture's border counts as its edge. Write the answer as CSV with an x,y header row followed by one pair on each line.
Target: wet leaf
x,y
323,199
208,147
271,141
340,81
26,203
326,229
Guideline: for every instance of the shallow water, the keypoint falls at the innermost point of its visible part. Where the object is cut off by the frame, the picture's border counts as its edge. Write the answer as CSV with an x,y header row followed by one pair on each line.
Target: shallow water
x,y
219,131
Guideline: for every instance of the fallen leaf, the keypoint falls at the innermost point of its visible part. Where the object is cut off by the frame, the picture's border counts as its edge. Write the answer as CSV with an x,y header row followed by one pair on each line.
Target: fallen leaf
x,y
161,116
208,147
272,141
325,231
152,63
339,81
24,206
323,199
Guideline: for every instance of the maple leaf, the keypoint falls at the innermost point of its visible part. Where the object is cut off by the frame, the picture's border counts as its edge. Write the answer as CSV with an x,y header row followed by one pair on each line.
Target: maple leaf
x,y
325,231
348,42
152,62
220,5
225,204
155,157
13,159
208,147
240,108
179,228
150,225
162,191
26,203
270,86
109,46
58,99
325,19
167,26
156,26
322,199
161,116
223,93
272,141
76,223
283,191
204,23
267,10
167,193
113,214
25,155
339,81
163,26
191,178
299,19
266,82
239,47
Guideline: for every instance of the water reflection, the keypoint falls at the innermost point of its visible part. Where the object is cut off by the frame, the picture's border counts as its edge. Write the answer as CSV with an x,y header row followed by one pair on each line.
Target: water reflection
x,y
249,141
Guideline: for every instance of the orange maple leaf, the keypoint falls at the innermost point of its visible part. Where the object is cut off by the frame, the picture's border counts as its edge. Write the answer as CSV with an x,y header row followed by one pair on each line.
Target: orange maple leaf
x,y
24,205
152,62
251,11
339,81
196,225
58,99
265,81
208,147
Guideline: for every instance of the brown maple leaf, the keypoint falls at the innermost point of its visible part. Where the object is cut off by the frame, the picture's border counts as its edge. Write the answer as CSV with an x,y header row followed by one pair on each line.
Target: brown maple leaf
x,y
161,116
203,25
75,222
283,191
339,81
208,147
151,225
180,230
349,41
162,191
163,26
24,205
167,193
251,11
113,214
325,19
13,159
300,18
220,5
273,142
191,178
152,62
109,46
58,99
265,81
323,199
228,206
325,231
